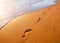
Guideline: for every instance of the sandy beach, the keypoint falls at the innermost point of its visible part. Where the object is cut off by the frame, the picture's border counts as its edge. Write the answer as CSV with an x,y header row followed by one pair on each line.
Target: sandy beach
x,y
44,25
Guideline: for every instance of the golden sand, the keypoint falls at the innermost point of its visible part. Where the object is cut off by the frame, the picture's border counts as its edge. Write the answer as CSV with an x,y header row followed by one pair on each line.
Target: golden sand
x,y
44,25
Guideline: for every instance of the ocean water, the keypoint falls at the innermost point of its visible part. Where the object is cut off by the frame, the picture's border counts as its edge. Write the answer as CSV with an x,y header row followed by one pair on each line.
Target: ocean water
x,y
9,9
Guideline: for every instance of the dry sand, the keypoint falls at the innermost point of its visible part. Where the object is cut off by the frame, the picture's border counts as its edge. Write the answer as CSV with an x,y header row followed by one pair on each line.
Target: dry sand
x,y
44,25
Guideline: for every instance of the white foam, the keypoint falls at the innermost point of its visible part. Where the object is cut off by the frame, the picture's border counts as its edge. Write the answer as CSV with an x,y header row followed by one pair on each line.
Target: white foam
x,y
10,9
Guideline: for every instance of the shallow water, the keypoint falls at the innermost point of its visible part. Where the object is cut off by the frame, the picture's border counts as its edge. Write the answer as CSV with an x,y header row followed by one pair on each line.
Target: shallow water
x,y
9,9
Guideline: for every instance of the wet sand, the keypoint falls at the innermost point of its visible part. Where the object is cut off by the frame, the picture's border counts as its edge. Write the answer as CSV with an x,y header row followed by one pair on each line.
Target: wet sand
x,y
41,26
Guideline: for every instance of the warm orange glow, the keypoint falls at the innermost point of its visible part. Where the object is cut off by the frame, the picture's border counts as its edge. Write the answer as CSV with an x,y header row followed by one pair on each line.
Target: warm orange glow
x,y
44,25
